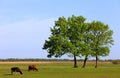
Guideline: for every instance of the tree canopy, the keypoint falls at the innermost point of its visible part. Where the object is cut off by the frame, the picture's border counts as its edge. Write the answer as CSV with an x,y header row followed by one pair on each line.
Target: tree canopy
x,y
76,37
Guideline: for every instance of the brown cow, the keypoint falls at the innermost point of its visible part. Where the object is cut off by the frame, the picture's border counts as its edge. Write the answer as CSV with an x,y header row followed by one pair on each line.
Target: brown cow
x,y
16,69
32,67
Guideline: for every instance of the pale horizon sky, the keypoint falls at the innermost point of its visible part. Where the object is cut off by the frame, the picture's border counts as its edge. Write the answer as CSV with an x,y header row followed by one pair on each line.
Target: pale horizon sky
x,y
25,24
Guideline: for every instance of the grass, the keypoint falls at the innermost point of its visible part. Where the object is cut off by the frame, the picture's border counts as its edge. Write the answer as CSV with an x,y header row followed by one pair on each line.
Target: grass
x,y
62,70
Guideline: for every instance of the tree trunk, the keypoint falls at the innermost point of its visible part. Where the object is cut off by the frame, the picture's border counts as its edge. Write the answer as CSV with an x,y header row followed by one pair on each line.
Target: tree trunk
x,y
85,61
96,61
75,61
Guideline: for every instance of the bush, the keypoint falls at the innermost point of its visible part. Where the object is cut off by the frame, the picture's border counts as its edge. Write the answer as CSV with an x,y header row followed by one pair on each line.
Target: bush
x,y
116,61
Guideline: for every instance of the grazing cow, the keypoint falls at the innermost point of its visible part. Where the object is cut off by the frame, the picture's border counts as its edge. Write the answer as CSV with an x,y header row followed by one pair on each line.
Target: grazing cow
x,y
32,67
16,69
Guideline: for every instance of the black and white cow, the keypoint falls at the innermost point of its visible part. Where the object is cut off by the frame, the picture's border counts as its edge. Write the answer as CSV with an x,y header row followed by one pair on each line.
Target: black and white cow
x,y
16,69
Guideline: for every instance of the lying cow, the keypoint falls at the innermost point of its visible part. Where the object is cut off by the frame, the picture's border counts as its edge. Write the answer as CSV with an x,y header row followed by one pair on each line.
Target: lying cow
x,y
32,67
16,69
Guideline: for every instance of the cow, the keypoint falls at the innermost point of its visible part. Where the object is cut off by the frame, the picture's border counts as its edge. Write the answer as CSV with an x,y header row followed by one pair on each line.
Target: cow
x,y
16,69
32,67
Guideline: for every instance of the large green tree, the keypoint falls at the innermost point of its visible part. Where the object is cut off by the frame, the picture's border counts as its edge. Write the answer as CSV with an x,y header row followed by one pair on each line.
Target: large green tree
x,y
101,37
67,37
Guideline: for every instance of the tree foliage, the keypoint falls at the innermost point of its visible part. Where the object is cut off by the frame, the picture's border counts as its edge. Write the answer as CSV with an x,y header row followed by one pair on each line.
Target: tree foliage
x,y
102,39
75,37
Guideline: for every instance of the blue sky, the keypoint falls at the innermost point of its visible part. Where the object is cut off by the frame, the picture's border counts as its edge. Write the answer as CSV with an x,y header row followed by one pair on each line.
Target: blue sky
x,y
25,24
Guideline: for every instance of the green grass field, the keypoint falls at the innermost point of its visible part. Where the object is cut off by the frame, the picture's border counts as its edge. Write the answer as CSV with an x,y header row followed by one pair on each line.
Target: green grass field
x,y
61,70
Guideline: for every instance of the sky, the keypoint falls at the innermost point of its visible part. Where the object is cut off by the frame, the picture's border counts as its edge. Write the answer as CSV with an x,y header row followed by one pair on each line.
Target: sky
x,y
25,24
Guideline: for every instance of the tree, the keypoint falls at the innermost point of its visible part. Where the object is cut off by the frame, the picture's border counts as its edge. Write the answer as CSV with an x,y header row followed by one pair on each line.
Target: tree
x,y
67,37
102,40
86,49
74,37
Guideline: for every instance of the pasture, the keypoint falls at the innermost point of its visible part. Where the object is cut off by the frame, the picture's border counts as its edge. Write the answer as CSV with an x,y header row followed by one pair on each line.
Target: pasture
x,y
60,70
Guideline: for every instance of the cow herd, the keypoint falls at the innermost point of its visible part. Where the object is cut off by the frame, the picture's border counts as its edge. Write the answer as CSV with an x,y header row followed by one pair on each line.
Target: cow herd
x,y
17,69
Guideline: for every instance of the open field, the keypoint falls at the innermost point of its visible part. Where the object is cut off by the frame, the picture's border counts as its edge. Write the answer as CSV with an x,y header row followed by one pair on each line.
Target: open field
x,y
61,70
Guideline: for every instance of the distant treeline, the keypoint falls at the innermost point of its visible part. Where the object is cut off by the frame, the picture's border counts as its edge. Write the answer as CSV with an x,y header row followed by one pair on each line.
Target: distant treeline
x,y
37,59
32,59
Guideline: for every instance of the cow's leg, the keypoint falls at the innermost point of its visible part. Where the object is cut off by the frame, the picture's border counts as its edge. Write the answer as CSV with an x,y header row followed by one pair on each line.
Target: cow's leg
x,y
12,72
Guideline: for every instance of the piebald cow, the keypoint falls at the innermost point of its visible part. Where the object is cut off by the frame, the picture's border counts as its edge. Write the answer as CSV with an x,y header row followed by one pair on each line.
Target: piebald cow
x,y
16,69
